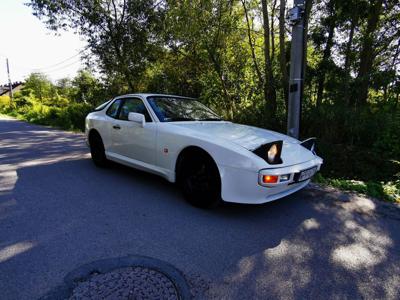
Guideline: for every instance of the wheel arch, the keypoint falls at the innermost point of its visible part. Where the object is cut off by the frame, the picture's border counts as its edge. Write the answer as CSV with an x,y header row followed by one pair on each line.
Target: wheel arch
x,y
93,132
191,151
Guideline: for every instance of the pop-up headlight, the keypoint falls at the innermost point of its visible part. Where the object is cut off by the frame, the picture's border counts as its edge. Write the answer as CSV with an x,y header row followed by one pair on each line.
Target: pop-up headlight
x,y
270,152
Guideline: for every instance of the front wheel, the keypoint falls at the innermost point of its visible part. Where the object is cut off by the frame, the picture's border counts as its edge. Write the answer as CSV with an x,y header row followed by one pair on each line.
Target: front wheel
x,y
200,181
97,150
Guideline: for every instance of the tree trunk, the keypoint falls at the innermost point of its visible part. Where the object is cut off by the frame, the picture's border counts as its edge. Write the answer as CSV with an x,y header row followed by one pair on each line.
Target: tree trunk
x,y
272,30
346,84
251,44
282,52
269,84
327,54
218,70
367,52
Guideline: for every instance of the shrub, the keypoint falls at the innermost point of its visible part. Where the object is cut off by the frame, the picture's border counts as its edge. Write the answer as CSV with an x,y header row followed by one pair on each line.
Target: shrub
x,y
4,102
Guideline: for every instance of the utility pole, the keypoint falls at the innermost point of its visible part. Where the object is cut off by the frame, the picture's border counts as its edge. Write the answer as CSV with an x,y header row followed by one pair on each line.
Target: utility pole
x,y
296,81
9,82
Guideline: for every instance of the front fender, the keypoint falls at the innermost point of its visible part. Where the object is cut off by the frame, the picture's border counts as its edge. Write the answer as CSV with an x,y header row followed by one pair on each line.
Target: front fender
x,y
171,144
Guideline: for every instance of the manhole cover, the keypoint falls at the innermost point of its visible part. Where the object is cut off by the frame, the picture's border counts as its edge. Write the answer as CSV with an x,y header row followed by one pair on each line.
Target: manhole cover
x,y
130,277
126,283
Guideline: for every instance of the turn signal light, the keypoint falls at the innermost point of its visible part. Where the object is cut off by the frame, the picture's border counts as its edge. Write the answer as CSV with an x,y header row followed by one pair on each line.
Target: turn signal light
x,y
270,178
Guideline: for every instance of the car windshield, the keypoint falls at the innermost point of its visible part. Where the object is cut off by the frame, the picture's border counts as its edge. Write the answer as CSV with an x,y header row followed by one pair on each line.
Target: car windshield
x,y
170,109
102,106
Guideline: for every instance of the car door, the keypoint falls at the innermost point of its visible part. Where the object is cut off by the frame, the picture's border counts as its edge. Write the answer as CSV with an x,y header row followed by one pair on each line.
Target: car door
x,y
107,129
130,139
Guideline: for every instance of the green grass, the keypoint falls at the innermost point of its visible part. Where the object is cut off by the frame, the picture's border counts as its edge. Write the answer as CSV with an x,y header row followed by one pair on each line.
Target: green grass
x,y
388,191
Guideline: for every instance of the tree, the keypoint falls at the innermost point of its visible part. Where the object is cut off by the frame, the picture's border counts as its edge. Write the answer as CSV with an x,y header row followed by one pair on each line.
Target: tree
x,y
367,54
202,31
40,86
64,87
122,35
251,43
269,82
87,88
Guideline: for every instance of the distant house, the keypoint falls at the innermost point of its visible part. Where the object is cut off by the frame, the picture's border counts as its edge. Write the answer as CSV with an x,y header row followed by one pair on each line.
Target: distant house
x,y
16,86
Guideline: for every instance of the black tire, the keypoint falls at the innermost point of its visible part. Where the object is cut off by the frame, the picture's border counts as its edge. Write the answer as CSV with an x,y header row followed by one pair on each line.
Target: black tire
x,y
200,180
97,150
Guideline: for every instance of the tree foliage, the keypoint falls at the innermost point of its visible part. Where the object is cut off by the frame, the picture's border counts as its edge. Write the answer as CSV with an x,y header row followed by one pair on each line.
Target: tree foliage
x,y
121,35
234,55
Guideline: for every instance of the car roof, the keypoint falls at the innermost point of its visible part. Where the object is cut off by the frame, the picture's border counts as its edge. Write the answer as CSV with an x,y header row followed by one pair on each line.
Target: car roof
x,y
155,95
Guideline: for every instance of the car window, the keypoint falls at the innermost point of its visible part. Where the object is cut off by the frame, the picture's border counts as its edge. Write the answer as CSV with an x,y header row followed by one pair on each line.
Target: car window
x,y
112,111
133,105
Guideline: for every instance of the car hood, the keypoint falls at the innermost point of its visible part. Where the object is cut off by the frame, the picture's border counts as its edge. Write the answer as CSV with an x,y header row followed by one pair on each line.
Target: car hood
x,y
250,138
246,136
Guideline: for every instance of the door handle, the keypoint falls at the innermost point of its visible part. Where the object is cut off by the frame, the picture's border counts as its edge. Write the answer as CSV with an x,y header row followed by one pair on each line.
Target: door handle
x,y
116,127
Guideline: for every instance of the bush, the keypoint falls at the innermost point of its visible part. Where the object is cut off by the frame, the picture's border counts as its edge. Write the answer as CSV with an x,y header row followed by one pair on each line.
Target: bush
x,y
4,102
71,117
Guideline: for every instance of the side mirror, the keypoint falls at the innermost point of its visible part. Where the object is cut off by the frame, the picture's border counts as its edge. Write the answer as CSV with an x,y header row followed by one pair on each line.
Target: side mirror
x,y
136,117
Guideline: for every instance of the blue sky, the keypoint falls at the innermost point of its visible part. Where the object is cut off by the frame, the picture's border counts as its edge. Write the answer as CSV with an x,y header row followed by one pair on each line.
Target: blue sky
x,y
30,47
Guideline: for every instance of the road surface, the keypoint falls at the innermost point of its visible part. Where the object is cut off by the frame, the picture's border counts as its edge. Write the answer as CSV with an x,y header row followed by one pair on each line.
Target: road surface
x,y
58,212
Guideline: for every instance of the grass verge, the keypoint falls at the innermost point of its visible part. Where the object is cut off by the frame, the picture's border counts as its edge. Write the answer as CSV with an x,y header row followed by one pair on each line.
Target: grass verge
x,y
388,191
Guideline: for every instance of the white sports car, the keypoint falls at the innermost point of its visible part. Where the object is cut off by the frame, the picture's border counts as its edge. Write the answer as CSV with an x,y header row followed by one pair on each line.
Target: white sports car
x,y
183,141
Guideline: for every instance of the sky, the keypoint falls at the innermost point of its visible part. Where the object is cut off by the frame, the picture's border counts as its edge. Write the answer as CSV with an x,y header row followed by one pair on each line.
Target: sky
x,y
31,47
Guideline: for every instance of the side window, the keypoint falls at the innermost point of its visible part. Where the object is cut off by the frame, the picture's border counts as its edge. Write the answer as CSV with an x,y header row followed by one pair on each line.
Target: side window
x,y
112,111
133,105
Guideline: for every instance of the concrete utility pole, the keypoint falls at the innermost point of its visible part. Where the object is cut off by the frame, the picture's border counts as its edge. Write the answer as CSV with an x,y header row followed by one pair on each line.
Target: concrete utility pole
x,y
296,17
9,82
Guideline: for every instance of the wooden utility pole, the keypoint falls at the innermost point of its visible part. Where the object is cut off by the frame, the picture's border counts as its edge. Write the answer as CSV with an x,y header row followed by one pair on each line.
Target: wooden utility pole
x,y
9,82
296,81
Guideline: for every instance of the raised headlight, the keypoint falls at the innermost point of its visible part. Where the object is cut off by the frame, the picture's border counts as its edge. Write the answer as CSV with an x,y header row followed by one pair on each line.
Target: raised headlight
x,y
270,152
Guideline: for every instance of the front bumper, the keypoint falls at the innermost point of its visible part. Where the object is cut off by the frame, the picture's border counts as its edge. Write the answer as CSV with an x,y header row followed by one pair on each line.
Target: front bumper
x,y
242,186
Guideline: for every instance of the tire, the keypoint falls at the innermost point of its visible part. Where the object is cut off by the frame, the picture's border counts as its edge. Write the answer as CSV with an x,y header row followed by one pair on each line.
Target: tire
x,y
97,150
200,181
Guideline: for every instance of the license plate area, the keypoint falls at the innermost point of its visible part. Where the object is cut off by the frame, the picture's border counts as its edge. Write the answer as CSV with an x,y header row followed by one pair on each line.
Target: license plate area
x,y
305,174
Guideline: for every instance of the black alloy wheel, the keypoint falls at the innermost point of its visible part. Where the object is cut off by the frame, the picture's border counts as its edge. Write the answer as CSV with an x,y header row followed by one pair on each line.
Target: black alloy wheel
x,y
97,150
200,181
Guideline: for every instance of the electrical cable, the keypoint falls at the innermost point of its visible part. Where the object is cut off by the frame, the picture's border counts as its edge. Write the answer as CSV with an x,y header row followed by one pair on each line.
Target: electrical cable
x,y
62,67
60,63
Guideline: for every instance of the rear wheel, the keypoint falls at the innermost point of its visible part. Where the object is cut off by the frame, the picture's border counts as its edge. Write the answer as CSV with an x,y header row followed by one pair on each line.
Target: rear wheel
x,y
200,181
97,150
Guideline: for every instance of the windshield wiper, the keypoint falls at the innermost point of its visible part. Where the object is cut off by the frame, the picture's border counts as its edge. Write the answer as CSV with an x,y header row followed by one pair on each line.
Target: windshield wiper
x,y
211,119
178,119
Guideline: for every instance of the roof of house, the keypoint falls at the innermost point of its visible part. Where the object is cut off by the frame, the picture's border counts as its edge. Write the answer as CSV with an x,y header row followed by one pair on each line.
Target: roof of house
x,y
16,86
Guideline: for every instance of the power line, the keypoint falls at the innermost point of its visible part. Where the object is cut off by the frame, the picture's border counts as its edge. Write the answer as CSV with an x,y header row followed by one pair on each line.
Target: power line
x,y
51,68
61,62
63,67
55,70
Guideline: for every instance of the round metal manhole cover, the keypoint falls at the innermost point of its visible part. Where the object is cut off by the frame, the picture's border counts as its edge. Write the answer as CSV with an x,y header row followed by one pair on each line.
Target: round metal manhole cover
x,y
131,283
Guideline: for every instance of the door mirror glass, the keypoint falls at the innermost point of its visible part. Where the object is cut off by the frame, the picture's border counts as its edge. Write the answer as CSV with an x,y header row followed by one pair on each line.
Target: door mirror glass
x,y
137,118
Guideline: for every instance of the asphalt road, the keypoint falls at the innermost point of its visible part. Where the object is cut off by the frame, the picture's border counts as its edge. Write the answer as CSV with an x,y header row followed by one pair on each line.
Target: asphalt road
x,y
58,212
